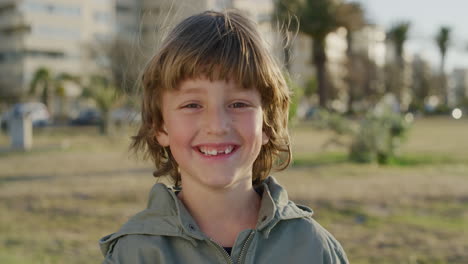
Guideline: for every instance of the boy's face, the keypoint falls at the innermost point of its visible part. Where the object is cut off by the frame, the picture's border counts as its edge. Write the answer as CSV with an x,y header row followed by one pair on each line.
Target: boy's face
x,y
214,131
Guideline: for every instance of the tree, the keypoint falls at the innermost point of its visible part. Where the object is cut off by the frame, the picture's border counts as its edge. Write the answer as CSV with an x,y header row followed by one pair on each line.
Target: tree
x,y
119,66
443,42
422,84
118,61
48,85
318,18
106,96
364,81
398,35
351,17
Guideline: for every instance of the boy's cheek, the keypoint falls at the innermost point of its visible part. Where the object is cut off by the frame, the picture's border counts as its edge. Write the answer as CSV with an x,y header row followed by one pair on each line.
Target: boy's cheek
x,y
265,138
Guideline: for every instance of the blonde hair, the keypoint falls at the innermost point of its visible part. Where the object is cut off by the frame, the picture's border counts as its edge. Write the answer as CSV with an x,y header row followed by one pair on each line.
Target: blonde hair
x,y
220,46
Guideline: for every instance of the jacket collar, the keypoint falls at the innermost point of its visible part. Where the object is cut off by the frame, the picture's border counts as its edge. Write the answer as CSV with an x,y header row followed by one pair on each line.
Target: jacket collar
x,y
165,215
276,206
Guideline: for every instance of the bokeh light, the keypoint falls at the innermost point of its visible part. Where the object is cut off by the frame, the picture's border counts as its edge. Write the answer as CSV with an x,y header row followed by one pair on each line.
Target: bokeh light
x,y
457,113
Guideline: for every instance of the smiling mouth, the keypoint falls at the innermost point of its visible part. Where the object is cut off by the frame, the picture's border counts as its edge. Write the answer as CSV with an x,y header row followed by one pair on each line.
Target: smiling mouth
x,y
207,151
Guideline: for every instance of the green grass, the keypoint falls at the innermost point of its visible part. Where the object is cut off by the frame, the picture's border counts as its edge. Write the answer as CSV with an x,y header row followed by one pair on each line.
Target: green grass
x,y
406,160
319,159
76,186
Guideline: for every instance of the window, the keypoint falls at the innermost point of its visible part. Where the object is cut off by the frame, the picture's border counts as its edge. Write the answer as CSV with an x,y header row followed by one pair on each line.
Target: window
x,y
56,32
123,9
67,10
8,8
45,54
10,56
103,1
102,17
48,8
13,30
102,37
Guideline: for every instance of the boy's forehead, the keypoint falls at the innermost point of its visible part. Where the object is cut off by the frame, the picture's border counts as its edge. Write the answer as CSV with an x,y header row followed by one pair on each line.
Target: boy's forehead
x,y
200,85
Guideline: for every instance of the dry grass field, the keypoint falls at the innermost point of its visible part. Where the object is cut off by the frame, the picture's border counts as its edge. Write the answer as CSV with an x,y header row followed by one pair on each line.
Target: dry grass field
x,y
76,186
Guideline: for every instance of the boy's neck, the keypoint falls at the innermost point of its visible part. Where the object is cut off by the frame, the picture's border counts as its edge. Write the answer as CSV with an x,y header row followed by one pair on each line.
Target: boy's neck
x,y
222,213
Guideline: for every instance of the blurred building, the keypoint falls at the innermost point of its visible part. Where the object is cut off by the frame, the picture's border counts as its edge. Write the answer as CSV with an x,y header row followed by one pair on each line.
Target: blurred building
x,y
423,84
458,87
399,74
127,18
370,40
303,69
302,64
59,34
336,66
145,22
261,12
50,34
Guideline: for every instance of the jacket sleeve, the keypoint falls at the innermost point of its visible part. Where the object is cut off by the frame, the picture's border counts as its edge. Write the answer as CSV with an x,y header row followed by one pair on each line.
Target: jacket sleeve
x,y
334,253
123,251
113,255
133,249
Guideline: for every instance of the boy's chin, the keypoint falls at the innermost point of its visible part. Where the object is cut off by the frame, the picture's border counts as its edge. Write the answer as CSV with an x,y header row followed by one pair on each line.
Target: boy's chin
x,y
216,182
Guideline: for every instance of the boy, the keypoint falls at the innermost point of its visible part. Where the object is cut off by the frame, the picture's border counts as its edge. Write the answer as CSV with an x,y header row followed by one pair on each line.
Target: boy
x,y
214,117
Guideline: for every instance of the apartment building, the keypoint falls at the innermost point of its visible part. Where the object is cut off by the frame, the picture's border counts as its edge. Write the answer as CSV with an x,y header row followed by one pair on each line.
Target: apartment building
x,y
370,40
56,34
51,34
145,22
458,87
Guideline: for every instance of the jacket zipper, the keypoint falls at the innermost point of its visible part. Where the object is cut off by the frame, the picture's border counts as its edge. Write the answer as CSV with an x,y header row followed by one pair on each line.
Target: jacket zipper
x,y
226,256
244,246
223,252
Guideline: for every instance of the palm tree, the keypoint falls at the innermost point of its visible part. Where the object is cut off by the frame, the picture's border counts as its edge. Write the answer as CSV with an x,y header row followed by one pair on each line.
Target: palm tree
x,y
48,85
351,16
443,42
106,97
398,34
42,80
318,18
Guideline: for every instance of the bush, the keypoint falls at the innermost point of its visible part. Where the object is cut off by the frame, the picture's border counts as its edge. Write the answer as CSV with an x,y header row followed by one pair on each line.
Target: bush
x,y
296,94
376,137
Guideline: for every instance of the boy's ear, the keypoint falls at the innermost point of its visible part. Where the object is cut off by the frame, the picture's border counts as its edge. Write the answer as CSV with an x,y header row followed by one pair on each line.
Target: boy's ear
x,y
163,137
265,138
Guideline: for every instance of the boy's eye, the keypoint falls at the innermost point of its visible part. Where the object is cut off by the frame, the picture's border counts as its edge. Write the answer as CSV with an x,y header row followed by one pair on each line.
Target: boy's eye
x,y
191,105
239,105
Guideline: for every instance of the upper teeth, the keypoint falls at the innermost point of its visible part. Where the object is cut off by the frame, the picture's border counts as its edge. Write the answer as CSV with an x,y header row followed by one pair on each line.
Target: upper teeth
x,y
214,152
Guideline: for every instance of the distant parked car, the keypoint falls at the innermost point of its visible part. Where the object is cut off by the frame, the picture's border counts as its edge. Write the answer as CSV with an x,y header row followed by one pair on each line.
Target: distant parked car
x,y
125,115
37,111
87,117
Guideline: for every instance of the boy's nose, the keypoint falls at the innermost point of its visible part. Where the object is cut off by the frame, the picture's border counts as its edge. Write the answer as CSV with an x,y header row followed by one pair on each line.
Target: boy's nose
x,y
216,121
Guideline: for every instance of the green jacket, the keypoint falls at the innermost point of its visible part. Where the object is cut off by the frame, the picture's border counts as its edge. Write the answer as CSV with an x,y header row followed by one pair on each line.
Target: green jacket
x,y
166,233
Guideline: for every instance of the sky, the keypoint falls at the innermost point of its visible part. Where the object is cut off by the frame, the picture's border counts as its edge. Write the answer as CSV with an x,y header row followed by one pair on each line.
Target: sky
x,y
426,18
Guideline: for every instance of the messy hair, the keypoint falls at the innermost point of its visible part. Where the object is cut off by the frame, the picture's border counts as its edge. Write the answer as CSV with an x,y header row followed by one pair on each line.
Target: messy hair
x,y
219,46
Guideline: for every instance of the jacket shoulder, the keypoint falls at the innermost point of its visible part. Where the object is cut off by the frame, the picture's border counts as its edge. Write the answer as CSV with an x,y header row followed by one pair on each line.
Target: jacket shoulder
x,y
332,251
